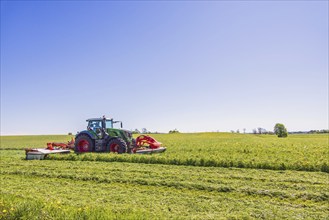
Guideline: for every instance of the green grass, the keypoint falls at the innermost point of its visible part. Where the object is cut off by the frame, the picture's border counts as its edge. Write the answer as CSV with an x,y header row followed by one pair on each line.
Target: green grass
x,y
99,186
297,152
32,141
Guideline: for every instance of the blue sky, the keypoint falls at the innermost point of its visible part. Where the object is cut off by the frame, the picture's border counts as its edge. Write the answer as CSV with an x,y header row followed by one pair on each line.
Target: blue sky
x,y
194,66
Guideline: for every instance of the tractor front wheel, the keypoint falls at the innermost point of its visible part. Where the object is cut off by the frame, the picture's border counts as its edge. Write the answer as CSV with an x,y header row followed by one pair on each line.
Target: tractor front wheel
x,y
84,144
117,145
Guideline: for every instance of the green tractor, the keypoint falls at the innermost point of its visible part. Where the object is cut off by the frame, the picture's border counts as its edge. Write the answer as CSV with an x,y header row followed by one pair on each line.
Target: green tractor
x,y
101,136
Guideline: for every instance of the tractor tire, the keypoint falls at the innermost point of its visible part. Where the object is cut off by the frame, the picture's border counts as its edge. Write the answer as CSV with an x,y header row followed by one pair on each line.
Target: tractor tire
x,y
117,145
84,144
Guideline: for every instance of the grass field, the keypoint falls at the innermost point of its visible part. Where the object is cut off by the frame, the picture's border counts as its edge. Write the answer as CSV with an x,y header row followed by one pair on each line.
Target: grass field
x,y
200,176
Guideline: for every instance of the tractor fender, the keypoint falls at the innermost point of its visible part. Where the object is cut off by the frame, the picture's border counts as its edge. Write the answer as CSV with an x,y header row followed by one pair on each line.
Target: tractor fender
x,y
90,134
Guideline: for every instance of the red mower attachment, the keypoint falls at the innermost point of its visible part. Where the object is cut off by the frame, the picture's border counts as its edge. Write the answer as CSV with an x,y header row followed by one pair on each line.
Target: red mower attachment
x,y
63,146
52,148
145,140
147,145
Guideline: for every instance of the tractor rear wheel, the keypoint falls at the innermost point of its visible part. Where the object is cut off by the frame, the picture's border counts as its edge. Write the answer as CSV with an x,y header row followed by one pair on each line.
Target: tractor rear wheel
x,y
84,144
117,145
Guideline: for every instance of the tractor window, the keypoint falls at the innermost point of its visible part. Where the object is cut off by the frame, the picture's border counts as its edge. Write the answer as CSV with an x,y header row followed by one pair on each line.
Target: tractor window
x,y
94,125
109,124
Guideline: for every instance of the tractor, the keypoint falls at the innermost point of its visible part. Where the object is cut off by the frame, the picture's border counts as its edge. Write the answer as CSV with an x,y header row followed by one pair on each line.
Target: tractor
x,y
101,136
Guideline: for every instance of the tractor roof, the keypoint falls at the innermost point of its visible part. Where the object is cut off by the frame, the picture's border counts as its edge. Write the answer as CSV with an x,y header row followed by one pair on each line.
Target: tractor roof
x,y
99,119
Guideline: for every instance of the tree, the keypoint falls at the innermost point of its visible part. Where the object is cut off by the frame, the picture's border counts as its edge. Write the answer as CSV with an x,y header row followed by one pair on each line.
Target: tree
x,y
173,131
136,131
261,131
280,130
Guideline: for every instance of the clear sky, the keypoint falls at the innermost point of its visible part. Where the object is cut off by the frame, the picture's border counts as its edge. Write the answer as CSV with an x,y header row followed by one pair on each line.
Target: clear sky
x,y
193,66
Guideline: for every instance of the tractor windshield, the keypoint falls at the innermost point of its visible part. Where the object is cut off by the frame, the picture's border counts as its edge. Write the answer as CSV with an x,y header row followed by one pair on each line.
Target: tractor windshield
x,y
94,124
109,124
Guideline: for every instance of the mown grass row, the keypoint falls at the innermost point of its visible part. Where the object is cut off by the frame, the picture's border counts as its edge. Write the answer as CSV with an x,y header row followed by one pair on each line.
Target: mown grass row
x,y
280,184
159,172
223,187
153,159
13,208
82,189
76,199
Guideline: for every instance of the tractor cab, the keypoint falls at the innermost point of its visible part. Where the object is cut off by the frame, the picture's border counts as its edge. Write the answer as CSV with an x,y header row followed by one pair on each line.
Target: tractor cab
x,y
101,125
94,125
